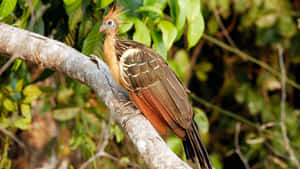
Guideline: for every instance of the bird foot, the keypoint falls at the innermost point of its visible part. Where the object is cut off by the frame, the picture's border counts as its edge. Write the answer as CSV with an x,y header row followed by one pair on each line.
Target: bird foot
x,y
96,59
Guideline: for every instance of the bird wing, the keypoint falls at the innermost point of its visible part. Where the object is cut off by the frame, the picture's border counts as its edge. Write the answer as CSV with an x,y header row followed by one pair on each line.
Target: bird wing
x,y
149,78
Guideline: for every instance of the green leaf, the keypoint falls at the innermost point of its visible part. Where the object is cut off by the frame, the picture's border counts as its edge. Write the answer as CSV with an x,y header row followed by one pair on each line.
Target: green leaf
x,y
216,160
201,119
26,111
181,58
180,17
123,28
71,5
267,20
75,17
31,93
158,44
169,32
152,9
157,3
195,23
19,85
105,3
6,7
287,26
65,114
142,33
131,5
93,42
16,65
125,159
32,90
64,95
117,133
22,123
212,25
9,105
175,144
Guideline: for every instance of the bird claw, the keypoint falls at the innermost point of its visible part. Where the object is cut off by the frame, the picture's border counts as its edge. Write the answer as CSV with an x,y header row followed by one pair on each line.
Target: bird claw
x,y
96,59
125,104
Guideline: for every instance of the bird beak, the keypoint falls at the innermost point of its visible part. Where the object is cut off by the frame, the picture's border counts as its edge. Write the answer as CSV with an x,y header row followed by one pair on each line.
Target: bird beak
x,y
101,28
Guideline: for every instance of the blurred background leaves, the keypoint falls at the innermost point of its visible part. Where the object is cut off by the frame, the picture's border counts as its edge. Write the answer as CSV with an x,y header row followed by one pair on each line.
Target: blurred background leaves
x,y
225,87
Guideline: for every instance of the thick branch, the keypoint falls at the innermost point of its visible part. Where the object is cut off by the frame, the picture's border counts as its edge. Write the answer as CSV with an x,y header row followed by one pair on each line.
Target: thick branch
x,y
57,56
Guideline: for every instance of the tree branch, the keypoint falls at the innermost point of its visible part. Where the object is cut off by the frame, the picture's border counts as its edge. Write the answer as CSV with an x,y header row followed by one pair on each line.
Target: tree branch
x,y
58,56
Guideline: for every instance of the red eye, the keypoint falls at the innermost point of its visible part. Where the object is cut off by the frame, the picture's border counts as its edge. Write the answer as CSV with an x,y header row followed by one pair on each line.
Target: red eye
x,y
109,22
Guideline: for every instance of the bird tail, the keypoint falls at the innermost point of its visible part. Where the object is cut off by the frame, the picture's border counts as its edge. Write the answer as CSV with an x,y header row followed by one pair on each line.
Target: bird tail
x,y
195,150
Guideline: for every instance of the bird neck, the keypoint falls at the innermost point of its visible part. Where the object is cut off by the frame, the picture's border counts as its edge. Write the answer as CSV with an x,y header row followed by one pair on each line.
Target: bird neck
x,y
110,55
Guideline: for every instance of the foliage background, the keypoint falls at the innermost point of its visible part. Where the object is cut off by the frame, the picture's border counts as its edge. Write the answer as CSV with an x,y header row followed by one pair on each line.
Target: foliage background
x,y
228,87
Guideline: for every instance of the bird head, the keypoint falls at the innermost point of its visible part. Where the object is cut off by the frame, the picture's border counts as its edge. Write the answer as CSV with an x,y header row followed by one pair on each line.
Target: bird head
x,y
110,22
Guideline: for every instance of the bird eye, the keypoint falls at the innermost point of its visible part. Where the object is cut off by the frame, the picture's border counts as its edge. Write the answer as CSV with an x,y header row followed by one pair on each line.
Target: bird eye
x,y
109,22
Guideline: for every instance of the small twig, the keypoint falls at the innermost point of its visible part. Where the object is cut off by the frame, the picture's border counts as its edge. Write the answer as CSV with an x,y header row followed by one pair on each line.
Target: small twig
x,y
100,148
245,56
237,145
282,110
224,30
8,63
104,154
195,55
11,135
33,18
276,152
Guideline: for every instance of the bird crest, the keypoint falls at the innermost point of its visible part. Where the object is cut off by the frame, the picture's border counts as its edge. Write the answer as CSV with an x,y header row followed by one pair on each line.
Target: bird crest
x,y
114,13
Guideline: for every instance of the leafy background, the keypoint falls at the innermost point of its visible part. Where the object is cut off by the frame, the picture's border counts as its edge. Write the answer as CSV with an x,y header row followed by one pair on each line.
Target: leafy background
x,y
225,52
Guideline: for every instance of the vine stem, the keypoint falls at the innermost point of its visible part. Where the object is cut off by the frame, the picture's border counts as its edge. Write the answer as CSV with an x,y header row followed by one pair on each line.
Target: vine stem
x,y
286,140
225,112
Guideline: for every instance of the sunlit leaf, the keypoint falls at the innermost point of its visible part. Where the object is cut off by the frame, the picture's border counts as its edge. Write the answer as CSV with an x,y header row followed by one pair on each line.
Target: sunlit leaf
x,y
65,114
26,110
64,95
123,28
141,33
75,17
216,160
19,85
201,119
267,20
71,5
93,41
169,32
9,105
175,144
125,159
105,3
16,65
32,90
31,93
195,22
6,7
157,3
117,132
22,123
180,17
287,26
158,44
152,9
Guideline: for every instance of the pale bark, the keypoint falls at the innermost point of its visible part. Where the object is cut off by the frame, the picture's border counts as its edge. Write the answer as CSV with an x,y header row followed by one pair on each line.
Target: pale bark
x,y
60,57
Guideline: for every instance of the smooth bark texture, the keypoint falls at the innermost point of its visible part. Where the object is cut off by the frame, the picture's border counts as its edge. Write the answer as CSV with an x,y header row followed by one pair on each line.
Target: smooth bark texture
x,y
58,56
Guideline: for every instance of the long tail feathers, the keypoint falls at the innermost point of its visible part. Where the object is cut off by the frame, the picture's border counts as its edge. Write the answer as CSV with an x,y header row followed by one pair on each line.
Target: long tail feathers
x,y
195,150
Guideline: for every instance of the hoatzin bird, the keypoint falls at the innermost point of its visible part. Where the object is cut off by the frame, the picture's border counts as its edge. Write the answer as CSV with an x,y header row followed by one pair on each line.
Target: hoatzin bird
x,y
153,88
